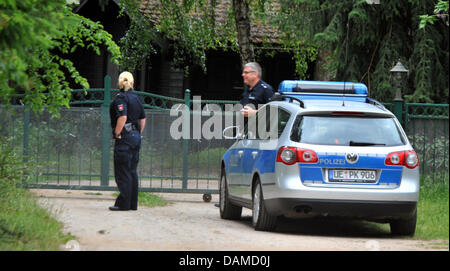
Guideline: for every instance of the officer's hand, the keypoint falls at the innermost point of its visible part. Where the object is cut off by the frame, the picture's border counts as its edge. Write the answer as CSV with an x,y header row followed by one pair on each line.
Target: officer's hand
x,y
247,111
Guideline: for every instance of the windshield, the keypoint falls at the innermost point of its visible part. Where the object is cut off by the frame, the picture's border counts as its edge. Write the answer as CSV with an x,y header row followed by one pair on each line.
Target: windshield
x,y
347,131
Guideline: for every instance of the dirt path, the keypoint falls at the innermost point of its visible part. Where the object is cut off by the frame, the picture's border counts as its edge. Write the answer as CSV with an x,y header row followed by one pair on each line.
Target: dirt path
x,y
191,224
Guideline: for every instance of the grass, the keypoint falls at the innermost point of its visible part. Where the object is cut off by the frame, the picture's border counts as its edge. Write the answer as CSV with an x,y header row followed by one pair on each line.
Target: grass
x,y
432,213
433,210
24,225
149,199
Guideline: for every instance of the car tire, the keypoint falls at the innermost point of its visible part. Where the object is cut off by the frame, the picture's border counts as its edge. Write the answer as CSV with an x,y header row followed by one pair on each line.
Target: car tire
x,y
227,209
261,219
405,227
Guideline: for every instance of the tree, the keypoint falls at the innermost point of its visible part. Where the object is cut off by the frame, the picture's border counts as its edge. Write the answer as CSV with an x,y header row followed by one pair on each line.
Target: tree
x,y
242,17
365,41
35,39
190,28
359,42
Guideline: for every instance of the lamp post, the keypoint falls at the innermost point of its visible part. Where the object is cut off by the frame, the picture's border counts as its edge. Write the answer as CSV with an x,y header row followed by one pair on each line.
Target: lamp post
x,y
398,72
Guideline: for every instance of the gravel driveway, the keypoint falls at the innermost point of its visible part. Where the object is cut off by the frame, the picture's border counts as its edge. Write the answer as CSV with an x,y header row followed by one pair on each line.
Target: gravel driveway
x,y
189,224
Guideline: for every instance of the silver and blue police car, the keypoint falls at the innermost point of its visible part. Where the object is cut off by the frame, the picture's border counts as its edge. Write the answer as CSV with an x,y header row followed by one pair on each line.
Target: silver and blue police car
x,y
336,152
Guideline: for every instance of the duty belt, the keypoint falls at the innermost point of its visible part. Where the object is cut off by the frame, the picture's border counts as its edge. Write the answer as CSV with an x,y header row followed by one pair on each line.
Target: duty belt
x,y
129,127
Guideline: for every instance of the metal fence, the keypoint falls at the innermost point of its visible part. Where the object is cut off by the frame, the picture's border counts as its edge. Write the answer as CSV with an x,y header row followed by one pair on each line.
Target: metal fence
x,y
427,128
67,152
75,151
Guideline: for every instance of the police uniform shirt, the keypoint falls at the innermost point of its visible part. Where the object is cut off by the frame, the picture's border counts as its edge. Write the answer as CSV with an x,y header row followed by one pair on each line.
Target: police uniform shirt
x,y
126,104
259,94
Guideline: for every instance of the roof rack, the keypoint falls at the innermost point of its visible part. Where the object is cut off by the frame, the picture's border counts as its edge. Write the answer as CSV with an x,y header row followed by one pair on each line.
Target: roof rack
x,y
376,103
279,97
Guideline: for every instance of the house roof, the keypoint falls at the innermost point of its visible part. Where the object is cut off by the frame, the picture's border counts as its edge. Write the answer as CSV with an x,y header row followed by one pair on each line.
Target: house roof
x,y
259,31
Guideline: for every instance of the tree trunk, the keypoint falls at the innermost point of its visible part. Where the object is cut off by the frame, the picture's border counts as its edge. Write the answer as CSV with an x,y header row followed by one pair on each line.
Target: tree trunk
x,y
320,73
242,17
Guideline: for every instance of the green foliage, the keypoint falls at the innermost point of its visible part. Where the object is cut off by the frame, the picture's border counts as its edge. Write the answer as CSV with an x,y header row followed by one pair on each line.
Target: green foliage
x,y
141,39
12,169
186,30
365,41
24,225
183,30
34,40
433,210
149,200
441,8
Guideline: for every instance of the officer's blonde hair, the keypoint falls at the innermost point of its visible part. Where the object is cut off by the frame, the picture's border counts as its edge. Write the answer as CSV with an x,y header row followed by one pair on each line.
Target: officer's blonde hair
x,y
126,81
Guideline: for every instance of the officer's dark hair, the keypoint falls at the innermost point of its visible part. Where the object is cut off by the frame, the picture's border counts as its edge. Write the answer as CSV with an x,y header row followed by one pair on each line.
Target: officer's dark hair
x,y
126,81
255,67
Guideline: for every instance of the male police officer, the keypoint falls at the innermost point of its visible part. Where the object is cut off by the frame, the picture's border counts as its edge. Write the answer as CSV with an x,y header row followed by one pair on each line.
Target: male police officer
x,y
256,90
127,122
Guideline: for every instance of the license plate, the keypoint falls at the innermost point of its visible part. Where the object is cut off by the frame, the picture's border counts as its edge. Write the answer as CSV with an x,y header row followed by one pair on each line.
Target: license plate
x,y
352,175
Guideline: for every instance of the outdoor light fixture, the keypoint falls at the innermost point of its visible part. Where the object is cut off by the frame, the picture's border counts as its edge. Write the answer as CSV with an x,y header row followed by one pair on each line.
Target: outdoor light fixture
x,y
398,72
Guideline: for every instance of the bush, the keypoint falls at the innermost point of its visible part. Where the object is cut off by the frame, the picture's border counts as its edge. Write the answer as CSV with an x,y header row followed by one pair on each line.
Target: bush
x,y
24,225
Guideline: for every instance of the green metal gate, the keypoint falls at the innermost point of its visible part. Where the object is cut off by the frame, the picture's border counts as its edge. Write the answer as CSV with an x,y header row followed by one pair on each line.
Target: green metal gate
x,y
75,151
427,128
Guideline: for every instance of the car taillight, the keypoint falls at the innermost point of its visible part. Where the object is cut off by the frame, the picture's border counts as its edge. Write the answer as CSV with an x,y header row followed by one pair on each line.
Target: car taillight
x,y
402,158
411,159
395,159
287,155
292,155
307,156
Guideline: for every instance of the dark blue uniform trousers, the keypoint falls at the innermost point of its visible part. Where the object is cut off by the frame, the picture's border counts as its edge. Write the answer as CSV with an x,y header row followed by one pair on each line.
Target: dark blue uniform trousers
x,y
126,158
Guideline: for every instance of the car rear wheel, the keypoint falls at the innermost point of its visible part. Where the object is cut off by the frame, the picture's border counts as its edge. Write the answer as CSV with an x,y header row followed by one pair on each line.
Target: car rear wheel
x,y
261,220
405,227
227,209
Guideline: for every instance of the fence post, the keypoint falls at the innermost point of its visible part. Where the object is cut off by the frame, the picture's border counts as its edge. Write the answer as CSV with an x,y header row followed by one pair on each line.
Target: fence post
x,y
106,131
26,132
187,102
398,110
26,138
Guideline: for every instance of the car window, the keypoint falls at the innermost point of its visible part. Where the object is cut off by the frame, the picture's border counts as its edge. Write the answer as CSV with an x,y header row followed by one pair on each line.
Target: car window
x,y
264,123
283,118
347,131
250,127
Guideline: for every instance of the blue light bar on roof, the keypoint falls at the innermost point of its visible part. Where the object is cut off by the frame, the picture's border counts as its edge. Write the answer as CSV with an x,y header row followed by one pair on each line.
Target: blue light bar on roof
x,y
322,88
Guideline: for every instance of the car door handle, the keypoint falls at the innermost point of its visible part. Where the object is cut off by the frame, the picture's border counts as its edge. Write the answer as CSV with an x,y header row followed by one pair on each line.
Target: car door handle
x,y
254,154
240,153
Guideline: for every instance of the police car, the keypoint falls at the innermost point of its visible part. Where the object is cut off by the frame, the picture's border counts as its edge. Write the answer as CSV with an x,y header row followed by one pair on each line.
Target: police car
x,y
336,152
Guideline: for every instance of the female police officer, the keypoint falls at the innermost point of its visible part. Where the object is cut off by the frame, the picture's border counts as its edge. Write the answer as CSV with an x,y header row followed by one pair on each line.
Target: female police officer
x,y
127,122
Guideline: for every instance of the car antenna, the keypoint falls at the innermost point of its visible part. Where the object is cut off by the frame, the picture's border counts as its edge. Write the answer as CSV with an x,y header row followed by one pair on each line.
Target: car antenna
x,y
346,60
